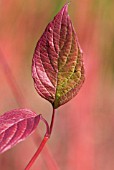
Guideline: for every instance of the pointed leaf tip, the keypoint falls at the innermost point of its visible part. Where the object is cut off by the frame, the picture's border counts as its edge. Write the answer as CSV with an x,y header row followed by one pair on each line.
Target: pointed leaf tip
x,y
57,65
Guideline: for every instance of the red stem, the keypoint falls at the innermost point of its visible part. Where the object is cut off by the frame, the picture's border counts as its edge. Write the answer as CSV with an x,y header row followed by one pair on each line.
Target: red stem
x,y
17,93
45,139
37,153
52,121
47,155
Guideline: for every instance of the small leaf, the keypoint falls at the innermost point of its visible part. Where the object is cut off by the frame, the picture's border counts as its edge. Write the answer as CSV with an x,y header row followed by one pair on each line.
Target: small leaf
x,y
15,126
57,67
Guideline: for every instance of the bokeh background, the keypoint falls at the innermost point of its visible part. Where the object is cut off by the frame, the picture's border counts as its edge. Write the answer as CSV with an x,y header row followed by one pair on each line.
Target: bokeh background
x,y
83,134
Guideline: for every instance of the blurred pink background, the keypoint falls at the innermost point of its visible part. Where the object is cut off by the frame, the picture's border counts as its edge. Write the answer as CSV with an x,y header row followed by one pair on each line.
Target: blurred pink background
x,y
82,137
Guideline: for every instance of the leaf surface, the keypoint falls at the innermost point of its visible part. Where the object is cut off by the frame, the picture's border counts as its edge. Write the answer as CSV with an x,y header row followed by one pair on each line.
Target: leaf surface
x,y
57,65
15,126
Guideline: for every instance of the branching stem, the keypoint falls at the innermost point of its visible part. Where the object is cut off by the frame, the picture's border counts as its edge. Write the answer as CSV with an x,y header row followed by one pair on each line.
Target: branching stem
x,y
45,139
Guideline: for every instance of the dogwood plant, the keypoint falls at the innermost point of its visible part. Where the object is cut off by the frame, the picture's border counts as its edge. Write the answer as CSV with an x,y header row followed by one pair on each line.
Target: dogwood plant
x,y
58,74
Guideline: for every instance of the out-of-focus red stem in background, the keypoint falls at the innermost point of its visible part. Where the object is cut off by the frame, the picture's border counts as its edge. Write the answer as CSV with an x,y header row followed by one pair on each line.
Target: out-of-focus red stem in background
x,y
82,137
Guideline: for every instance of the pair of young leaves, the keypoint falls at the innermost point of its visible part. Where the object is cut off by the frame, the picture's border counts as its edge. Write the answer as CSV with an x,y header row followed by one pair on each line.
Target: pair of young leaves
x,y
58,73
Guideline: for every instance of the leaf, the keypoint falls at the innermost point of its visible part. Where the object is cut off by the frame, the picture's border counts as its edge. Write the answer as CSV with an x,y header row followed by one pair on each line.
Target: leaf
x,y
57,66
15,126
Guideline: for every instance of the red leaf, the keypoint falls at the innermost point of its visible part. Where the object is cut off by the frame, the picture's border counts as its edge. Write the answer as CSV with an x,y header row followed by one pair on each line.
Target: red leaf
x,y
57,67
15,126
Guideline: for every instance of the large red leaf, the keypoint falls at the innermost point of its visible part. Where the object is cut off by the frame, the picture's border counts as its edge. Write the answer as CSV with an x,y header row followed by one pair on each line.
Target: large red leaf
x,y
15,126
57,67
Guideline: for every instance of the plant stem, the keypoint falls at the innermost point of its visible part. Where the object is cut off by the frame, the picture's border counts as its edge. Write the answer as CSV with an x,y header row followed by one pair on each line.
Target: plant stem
x,y
45,139
52,121
47,155
19,97
37,152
